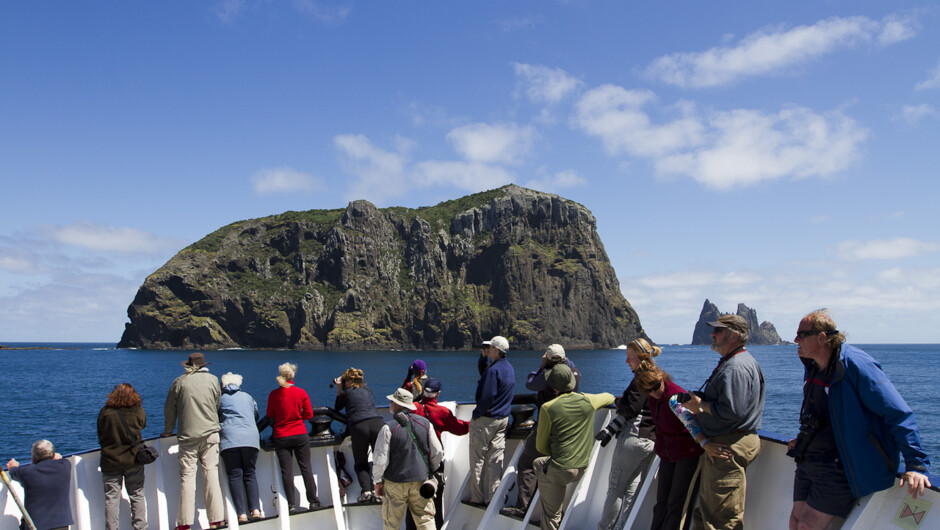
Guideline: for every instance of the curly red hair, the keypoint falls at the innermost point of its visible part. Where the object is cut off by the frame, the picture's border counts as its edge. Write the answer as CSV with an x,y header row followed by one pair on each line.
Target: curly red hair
x,y
123,396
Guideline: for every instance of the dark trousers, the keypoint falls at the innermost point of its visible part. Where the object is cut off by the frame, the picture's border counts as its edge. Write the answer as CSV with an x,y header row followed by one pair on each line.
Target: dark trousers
x,y
676,494
525,473
240,467
299,446
438,506
364,434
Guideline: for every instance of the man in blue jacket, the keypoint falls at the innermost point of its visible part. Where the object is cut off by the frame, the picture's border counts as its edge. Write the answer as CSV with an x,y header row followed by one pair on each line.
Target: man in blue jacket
x,y
853,426
490,420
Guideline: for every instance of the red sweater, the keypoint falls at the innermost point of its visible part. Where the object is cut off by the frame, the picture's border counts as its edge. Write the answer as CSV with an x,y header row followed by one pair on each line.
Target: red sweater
x,y
441,418
673,441
289,406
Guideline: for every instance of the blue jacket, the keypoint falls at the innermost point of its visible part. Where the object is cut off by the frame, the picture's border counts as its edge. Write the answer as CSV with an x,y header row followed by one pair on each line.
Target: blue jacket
x,y
495,389
238,413
872,424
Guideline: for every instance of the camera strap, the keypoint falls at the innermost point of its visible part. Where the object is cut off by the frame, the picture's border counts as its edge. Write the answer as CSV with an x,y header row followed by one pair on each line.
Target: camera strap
x,y
403,420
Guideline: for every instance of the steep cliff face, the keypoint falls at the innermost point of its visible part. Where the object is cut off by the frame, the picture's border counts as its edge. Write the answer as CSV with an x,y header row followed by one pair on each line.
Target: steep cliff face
x,y
759,334
510,261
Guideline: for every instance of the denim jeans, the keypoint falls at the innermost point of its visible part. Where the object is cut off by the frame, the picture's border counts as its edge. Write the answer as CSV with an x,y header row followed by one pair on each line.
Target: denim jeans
x,y
240,467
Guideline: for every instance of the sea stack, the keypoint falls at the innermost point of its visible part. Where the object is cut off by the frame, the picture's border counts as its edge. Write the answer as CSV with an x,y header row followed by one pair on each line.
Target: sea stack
x,y
510,261
759,334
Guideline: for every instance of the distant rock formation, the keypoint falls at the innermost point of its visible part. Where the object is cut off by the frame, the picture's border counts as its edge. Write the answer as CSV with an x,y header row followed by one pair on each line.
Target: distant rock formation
x,y
510,261
763,334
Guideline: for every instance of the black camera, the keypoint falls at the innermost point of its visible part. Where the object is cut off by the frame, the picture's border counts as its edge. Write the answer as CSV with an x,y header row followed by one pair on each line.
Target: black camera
x,y
612,429
809,426
682,397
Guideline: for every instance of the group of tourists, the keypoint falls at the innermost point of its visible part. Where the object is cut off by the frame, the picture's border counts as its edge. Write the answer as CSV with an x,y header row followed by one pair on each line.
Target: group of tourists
x,y
854,425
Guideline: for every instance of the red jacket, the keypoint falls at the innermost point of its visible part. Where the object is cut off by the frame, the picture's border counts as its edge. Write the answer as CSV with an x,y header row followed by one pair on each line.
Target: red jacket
x,y
673,441
289,406
441,418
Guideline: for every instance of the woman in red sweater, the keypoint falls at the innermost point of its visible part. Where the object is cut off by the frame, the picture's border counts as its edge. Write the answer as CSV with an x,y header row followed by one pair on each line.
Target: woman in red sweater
x,y
677,449
289,406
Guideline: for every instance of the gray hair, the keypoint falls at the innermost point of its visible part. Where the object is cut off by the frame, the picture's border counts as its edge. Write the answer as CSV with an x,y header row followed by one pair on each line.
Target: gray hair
x,y
286,372
231,379
42,450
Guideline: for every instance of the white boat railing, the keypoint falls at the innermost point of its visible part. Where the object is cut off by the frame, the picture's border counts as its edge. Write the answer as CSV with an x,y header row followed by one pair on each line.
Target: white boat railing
x,y
769,493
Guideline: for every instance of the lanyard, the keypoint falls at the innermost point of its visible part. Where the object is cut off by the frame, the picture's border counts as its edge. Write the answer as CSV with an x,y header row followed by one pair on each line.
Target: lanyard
x,y
723,360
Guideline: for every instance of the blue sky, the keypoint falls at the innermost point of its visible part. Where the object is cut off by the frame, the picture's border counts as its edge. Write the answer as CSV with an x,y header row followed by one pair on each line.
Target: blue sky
x,y
784,157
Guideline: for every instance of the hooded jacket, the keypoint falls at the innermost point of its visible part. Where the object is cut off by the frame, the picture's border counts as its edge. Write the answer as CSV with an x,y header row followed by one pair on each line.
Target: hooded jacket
x,y
872,424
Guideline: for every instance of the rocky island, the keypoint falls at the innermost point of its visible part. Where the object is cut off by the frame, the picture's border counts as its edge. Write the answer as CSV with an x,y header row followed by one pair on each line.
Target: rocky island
x,y
510,261
763,334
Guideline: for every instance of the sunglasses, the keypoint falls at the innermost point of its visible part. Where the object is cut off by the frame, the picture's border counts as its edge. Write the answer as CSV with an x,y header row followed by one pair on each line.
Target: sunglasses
x,y
808,333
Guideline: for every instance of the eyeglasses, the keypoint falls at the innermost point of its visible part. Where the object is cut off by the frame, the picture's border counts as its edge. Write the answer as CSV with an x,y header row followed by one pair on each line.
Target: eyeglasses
x,y
652,389
808,333
717,330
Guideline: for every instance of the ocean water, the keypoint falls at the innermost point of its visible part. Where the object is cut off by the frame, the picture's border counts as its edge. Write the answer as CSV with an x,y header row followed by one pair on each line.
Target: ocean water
x,y
57,393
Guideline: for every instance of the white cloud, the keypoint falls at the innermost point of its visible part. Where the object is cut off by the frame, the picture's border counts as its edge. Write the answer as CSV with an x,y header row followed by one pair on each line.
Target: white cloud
x,y
511,24
861,302
111,239
914,113
560,180
20,261
775,50
85,307
726,149
545,85
880,249
378,174
324,10
229,10
470,176
283,180
485,143
931,82
614,114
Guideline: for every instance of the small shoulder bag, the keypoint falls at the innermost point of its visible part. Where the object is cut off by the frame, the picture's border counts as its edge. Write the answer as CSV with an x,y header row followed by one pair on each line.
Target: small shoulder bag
x,y
145,454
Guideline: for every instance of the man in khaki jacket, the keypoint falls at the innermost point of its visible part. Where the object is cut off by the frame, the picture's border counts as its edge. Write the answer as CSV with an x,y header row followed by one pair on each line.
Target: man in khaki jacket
x,y
193,402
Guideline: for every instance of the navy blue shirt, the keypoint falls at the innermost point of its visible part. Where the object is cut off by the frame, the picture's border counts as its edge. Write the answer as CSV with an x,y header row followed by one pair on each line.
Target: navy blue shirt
x,y
47,484
495,390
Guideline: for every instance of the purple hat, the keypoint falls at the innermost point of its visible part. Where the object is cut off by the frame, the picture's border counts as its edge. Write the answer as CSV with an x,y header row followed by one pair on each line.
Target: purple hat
x,y
419,366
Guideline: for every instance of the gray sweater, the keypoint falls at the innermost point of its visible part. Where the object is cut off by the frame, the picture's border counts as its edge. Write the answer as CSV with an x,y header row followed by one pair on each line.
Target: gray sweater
x,y
735,396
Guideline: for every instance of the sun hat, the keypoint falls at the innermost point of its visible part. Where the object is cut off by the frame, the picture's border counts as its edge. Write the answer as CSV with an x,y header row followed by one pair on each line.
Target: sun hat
x,y
195,359
499,342
733,322
560,378
403,398
555,353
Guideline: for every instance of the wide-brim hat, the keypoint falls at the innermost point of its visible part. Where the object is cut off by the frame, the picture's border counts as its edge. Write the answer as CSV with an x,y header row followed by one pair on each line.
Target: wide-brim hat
x,y
404,398
195,359
499,342
561,378
733,322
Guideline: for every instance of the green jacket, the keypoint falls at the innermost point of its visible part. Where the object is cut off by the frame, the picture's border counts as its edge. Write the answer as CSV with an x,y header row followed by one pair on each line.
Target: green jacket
x,y
193,400
566,428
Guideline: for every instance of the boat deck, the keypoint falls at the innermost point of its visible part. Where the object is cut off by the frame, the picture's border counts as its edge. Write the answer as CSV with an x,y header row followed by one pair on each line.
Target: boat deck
x,y
769,493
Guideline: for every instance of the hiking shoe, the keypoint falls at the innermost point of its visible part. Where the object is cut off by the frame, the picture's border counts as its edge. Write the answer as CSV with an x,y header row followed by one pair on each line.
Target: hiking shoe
x,y
512,511
367,497
296,509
